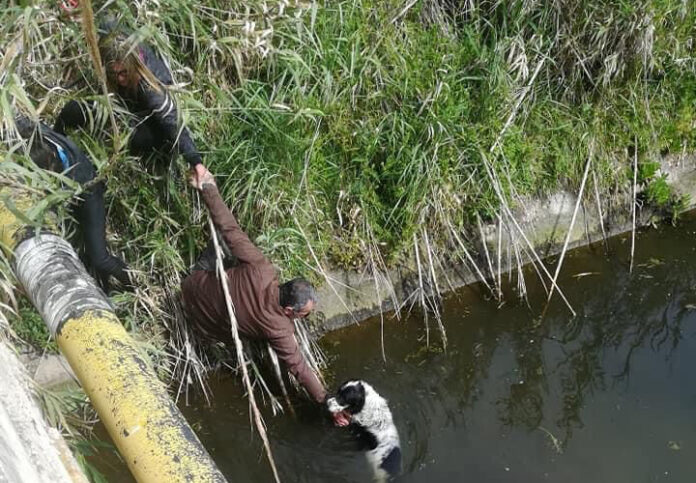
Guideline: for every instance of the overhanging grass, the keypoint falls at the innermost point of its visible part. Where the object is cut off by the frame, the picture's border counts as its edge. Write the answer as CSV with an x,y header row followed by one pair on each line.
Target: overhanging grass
x,y
359,128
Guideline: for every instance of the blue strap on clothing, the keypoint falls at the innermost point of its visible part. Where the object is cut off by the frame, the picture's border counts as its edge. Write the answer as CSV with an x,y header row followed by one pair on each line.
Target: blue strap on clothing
x,y
65,161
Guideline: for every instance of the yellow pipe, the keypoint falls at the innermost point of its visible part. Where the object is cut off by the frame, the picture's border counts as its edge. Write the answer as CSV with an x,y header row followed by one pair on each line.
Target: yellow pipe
x,y
143,421
149,430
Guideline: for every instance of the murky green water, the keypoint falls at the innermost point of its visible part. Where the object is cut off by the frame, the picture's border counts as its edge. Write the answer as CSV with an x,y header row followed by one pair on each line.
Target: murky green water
x,y
608,396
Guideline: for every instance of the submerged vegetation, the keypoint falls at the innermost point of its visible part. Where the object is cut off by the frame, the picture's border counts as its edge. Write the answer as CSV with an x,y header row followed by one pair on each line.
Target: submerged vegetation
x,y
361,134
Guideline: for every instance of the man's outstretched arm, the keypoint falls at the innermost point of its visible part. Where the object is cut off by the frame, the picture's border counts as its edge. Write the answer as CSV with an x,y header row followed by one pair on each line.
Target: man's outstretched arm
x,y
223,219
289,352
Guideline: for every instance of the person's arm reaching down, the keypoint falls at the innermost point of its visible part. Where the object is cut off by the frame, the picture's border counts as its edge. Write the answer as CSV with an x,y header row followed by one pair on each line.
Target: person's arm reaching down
x,y
289,352
237,241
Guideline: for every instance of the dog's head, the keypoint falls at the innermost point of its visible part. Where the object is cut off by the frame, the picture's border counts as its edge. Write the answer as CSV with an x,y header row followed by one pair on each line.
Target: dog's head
x,y
348,400
350,397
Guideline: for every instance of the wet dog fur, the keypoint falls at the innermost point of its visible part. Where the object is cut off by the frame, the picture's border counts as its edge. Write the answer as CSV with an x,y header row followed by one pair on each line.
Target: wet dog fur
x,y
372,419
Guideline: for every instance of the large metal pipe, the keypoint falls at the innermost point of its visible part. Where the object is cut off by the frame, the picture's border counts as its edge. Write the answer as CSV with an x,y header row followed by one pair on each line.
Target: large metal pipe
x,y
149,430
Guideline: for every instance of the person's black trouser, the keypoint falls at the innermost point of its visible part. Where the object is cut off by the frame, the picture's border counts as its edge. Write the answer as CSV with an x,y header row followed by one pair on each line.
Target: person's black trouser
x,y
91,214
147,137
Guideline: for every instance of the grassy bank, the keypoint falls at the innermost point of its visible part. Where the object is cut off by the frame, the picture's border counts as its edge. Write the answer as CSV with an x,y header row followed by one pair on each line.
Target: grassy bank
x,y
346,134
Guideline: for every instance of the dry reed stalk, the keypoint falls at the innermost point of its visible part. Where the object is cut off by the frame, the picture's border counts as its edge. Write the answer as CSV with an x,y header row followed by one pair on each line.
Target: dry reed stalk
x,y
315,357
421,290
433,276
521,285
381,317
599,209
500,251
90,31
635,194
380,276
570,228
494,278
431,267
530,247
279,375
322,271
303,179
469,258
276,406
239,349
540,274
518,103
188,360
495,181
10,54
403,11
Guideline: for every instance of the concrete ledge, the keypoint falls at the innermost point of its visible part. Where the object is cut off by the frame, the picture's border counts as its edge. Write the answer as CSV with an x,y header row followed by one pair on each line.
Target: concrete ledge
x,y
353,296
30,451
47,370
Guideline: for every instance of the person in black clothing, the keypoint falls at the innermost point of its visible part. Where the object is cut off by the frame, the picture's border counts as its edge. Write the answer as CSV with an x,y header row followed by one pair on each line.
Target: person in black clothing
x,y
139,76
53,151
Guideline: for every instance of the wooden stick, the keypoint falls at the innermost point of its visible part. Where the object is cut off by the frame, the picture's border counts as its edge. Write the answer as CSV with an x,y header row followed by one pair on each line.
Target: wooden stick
x,y
93,43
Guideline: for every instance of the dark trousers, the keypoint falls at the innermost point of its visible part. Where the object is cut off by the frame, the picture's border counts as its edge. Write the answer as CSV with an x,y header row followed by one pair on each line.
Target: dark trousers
x,y
147,138
90,213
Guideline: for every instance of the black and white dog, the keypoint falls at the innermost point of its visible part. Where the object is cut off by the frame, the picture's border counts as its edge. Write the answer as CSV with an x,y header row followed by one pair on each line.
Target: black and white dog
x,y
357,403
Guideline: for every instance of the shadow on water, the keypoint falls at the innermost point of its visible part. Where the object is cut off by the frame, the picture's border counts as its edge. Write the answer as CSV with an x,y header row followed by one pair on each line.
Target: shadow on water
x,y
605,396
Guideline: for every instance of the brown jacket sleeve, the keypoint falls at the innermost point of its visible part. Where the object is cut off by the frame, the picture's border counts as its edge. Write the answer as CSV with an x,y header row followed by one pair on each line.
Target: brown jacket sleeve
x,y
237,241
289,352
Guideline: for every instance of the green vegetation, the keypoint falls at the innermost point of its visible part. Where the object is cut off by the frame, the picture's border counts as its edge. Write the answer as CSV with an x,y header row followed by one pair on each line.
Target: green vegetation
x,y
345,134
351,126
68,409
30,328
357,134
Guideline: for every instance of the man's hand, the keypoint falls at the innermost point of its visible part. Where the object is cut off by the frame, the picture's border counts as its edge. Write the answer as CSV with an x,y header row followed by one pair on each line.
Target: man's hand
x,y
201,176
341,418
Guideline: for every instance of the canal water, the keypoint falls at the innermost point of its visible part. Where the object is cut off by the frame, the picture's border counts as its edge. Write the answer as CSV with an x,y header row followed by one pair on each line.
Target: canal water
x,y
606,396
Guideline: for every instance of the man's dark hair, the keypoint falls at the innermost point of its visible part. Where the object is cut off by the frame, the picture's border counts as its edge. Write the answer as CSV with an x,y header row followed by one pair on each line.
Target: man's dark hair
x,y
296,293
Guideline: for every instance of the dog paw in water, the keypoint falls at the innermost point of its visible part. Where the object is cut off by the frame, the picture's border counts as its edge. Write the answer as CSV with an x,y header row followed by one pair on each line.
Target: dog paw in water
x,y
358,403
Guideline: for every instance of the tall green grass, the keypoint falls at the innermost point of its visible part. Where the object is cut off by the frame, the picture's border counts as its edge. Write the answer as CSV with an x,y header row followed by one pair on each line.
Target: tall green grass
x,y
365,134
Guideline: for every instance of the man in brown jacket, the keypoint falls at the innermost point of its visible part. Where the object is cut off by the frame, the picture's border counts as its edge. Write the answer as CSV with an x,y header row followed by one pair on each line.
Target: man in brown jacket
x,y
263,308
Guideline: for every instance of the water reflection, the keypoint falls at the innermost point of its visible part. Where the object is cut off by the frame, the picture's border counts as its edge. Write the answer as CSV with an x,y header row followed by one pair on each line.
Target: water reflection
x,y
548,381
514,398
